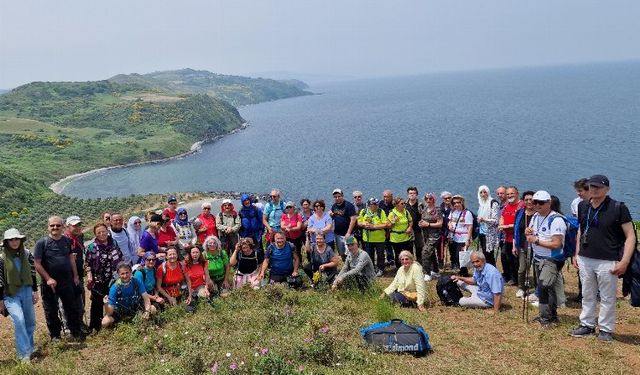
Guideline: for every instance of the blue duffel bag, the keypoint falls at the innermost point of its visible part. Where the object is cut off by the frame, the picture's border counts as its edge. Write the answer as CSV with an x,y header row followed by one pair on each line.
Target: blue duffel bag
x,y
397,337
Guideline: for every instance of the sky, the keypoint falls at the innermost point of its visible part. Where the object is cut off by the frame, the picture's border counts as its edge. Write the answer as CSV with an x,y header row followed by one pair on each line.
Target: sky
x,y
88,40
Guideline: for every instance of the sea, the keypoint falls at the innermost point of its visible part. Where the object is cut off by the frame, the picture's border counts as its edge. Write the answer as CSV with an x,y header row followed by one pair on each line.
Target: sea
x,y
534,128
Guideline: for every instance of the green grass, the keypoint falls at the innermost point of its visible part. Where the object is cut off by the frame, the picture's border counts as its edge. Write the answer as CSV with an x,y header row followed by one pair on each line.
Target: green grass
x,y
282,331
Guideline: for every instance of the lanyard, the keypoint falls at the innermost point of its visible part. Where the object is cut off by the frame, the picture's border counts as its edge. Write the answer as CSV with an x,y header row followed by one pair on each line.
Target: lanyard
x,y
593,219
540,223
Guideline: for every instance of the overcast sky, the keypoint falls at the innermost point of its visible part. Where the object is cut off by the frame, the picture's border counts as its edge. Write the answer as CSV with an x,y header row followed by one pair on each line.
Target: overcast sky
x,y
89,40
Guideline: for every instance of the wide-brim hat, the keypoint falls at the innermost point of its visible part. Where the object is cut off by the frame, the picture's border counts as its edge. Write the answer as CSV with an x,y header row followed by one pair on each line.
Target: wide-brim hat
x,y
12,233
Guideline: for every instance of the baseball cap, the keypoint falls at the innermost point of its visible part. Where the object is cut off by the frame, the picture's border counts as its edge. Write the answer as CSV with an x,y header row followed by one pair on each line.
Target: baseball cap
x,y
172,198
599,180
372,201
541,195
226,201
350,240
289,204
73,220
337,191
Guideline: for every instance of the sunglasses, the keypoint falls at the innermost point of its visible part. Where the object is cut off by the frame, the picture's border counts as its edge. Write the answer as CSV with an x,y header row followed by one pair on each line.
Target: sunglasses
x,y
457,202
446,198
357,196
207,208
274,196
151,259
107,218
431,199
137,222
317,205
539,203
55,225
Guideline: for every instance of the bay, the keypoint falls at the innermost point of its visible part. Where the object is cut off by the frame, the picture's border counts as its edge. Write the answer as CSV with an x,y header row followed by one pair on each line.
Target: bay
x,y
535,128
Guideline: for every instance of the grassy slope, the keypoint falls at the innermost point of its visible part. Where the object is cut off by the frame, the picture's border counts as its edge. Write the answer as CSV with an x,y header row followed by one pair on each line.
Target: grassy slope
x,y
288,324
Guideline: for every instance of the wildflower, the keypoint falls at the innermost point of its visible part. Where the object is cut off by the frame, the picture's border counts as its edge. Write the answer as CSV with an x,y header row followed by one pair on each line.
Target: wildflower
x,y
233,366
215,367
145,339
324,329
228,355
301,368
308,339
264,351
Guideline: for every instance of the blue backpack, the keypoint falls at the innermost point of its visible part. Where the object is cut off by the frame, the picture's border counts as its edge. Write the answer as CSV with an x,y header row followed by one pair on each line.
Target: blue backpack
x,y
570,237
396,336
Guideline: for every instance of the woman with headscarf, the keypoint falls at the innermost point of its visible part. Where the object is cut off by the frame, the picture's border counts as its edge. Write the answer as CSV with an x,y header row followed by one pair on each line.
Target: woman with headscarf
x,y
134,229
187,235
488,218
207,223
18,291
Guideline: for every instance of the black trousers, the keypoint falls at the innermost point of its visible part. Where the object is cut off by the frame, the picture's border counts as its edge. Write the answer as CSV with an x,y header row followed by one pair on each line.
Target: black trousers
x,y
66,293
510,263
97,305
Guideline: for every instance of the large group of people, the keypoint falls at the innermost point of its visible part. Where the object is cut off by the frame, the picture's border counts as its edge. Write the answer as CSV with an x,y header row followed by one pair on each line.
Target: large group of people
x,y
176,260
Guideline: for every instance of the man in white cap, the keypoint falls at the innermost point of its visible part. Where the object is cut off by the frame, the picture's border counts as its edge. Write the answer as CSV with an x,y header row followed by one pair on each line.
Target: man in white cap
x,y
18,291
546,233
228,225
606,242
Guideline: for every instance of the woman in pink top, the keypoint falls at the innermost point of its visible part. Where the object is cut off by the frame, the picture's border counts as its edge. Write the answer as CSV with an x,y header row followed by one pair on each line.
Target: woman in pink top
x,y
291,224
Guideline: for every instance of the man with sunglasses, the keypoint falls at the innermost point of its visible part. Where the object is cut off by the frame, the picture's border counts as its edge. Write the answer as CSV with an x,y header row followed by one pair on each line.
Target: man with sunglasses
x,y
545,234
57,268
606,242
172,208
272,214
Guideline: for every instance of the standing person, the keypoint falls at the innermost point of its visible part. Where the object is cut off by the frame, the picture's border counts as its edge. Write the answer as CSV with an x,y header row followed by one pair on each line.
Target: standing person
x,y
207,223
386,205
248,257
121,237
582,190
445,208
187,235
520,245
489,237
320,222
148,240
305,212
74,233
171,210
251,225
412,205
103,256
606,242
401,228
460,228
501,196
546,233
106,218
282,258
228,224
272,214
507,221
166,235
291,223
373,222
430,223
57,268
344,219
134,228
18,291
360,205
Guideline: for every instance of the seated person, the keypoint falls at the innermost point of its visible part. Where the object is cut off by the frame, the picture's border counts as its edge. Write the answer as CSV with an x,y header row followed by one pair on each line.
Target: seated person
x,y
324,262
248,261
357,266
407,288
196,267
147,276
486,285
126,296
283,259
172,281
217,261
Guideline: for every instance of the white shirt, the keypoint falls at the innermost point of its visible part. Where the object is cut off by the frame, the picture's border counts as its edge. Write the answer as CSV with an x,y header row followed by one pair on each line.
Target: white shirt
x,y
544,232
461,231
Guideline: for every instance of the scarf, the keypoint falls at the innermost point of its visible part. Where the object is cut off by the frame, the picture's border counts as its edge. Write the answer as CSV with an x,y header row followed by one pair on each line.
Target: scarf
x,y
178,221
484,210
134,235
16,278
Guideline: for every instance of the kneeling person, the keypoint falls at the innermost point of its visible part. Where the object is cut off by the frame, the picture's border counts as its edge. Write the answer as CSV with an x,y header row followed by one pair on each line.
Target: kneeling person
x,y
283,259
357,266
127,295
486,285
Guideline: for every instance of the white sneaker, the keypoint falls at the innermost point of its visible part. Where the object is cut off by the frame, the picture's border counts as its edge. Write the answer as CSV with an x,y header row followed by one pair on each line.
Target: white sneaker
x,y
427,278
532,298
535,303
434,275
520,293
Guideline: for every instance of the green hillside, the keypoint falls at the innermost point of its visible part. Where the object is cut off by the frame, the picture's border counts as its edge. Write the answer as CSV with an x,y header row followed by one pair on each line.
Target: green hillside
x,y
236,90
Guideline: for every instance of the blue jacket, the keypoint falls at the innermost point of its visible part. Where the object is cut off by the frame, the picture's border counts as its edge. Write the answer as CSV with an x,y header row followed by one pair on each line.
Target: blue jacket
x,y
518,239
251,219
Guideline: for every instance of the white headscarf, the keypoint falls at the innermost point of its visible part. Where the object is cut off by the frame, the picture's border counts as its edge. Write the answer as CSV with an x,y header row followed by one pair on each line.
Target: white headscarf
x,y
134,235
484,209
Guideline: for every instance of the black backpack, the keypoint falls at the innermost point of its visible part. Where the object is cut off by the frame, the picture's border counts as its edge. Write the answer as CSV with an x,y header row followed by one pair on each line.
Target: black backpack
x,y
448,291
397,337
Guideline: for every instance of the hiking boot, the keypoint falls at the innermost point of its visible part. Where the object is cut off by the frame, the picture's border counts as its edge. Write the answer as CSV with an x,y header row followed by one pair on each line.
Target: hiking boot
x,y
583,331
379,273
605,336
535,303
427,278
520,293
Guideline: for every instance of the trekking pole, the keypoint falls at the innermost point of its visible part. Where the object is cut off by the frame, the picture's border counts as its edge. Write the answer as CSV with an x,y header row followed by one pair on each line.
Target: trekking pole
x,y
525,294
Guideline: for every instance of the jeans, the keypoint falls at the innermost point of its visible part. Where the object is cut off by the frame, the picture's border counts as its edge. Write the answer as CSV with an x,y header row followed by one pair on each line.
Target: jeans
x,y
596,278
341,246
400,299
20,308
66,293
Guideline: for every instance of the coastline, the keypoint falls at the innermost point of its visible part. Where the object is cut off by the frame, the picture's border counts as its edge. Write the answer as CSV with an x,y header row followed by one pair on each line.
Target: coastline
x,y
59,186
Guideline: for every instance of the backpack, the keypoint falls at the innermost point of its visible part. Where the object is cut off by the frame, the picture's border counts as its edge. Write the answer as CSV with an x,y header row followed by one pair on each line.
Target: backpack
x,y
475,228
448,291
571,235
396,336
136,295
164,272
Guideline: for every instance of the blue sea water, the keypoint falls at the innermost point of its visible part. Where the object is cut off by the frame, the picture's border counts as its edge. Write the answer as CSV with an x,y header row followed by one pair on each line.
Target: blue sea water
x,y
536,128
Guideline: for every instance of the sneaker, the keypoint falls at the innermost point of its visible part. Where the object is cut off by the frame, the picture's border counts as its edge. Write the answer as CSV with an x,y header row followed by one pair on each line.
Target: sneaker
x,y
605,336
379,273
532,298
434,275
535,304
520,293
563,306
583,331
427,278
